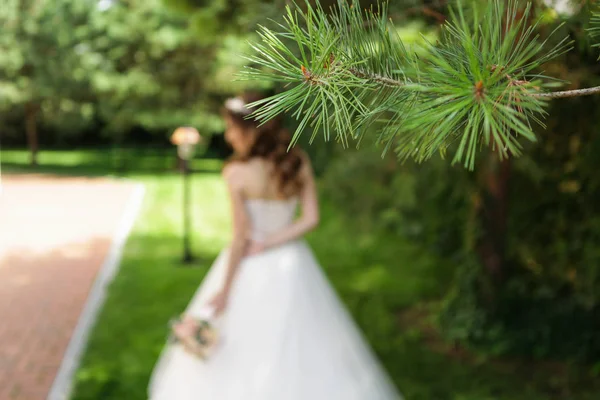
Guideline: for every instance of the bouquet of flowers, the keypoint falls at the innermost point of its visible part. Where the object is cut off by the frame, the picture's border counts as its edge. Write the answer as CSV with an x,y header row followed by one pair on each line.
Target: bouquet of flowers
x,y
197,335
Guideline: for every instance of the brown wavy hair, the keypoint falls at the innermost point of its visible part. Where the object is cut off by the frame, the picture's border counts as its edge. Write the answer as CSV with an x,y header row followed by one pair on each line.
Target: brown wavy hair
x,y
271,143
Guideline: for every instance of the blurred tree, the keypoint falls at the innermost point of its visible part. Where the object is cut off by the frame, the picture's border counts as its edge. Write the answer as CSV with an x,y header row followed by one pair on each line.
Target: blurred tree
x,y
151,71
41,71
67,64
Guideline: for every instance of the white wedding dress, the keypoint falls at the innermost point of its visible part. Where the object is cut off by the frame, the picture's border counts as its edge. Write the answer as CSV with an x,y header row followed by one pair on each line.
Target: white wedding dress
x,y
285,335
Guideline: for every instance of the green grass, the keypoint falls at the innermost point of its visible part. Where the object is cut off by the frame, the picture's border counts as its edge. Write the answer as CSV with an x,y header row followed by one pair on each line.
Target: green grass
x,y
101,161
378,276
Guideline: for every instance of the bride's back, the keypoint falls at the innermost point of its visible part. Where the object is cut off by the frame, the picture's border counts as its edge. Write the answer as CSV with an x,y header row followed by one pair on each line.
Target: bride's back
x,y
260,181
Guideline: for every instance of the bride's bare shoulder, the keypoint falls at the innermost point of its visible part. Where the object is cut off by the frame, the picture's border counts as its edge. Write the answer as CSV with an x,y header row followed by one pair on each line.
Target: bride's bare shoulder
x,y
234,172
245,174
306,168
248,167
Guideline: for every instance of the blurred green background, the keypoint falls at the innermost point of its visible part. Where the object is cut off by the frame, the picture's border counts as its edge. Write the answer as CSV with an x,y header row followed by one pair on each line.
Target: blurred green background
x,y
95,88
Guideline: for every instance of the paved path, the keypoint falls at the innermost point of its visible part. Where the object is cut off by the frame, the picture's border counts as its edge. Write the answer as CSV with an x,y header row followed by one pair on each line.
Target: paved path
x,y
55,234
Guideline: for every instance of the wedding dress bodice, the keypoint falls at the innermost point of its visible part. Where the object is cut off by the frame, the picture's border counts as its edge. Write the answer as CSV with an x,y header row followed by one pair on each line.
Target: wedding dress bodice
x,y
269,216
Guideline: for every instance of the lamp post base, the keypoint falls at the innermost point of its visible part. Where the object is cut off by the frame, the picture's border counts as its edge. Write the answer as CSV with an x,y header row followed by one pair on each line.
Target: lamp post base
x,y
188,259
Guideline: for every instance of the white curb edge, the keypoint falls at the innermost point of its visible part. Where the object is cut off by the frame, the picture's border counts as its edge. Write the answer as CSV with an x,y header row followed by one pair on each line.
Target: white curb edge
x,y
62,386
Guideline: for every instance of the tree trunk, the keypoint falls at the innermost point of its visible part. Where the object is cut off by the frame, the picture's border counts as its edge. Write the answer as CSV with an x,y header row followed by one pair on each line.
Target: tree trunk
x,y
492,211
31,112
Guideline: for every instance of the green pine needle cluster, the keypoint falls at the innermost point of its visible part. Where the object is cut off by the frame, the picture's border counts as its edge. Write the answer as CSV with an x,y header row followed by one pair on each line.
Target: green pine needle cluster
x,y
347,72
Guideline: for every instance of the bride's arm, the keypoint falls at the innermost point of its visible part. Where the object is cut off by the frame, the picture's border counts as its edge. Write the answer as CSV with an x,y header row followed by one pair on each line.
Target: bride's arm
x,y
232,174
309,218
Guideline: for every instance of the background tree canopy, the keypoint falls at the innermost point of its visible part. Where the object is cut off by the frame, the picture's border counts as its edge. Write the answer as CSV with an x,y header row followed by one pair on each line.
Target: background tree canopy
x,y
107,66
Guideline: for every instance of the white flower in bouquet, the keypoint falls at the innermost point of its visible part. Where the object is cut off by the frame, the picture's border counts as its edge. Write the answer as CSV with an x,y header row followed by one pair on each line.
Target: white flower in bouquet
x,y
197,334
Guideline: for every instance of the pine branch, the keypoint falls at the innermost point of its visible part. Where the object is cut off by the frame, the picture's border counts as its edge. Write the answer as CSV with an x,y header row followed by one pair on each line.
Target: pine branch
x,y
348,73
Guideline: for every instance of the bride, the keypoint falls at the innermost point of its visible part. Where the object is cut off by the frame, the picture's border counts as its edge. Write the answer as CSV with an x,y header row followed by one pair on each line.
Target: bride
x,y
283,332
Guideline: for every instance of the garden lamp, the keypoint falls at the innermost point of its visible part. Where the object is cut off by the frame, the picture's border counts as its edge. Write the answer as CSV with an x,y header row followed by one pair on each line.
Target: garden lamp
x,y
186,139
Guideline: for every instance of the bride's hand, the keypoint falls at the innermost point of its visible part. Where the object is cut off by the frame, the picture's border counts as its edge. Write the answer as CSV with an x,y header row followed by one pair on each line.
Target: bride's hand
x,y
185,327
255,248
219,302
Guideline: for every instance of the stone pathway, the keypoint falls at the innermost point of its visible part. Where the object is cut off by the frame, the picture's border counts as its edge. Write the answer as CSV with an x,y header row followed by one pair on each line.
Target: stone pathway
x,y
55,234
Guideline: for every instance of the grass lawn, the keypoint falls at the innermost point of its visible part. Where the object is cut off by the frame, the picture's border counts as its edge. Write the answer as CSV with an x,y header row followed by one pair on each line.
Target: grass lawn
x,y
385,282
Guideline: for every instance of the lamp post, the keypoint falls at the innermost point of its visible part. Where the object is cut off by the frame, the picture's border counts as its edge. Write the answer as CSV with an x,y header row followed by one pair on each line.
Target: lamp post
x,y
186,139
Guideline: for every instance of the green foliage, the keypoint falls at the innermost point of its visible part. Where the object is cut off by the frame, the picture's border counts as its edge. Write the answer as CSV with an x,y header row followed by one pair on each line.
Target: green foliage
x,y
477,87
371,190
549,304
152,69
228,63
544,321
414,202
38,64
213,19
115,65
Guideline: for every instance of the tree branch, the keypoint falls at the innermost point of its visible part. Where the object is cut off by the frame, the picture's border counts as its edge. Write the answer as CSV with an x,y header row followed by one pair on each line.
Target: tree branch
x,y
569,93
441,18
375,78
